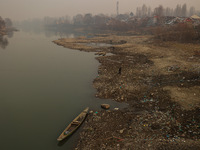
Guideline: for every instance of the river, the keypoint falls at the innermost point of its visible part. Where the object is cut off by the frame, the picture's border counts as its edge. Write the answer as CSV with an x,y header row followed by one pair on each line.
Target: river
x,y
43,88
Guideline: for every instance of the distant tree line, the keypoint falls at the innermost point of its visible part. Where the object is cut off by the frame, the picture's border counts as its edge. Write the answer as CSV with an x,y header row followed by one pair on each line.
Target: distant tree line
x,y
5,24
165,23
180,32
101,19
2,24
144,16
179,11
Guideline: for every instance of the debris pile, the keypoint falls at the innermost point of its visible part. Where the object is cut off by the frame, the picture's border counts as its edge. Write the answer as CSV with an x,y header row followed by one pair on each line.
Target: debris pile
x,y
125,129
161,85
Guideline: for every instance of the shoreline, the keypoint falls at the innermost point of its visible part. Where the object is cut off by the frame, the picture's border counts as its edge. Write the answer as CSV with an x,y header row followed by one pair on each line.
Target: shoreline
x,y
155,81
7,30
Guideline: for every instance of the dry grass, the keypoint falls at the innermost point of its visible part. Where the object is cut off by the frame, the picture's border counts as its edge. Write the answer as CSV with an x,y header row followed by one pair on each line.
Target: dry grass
x,y
185,33
188,98
163,55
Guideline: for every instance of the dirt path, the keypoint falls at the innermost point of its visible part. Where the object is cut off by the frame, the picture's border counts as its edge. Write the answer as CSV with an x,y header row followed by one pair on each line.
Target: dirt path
x,y
161,83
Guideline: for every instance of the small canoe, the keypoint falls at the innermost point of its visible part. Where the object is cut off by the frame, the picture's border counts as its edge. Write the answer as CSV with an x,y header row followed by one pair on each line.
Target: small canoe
x,y
73,126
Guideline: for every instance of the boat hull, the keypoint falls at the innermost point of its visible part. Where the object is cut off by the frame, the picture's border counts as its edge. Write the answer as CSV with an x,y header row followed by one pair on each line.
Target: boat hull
x,y
74,125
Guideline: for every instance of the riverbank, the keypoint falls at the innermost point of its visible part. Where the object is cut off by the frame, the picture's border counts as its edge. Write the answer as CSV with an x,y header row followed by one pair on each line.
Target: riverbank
x,y
159,80
5,31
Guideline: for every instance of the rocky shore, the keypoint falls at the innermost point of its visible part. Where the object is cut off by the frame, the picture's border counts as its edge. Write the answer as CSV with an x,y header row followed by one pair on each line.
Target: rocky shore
x,y
159,80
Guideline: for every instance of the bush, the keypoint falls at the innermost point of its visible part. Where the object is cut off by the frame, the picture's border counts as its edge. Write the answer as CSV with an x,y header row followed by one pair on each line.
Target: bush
x,y
179,32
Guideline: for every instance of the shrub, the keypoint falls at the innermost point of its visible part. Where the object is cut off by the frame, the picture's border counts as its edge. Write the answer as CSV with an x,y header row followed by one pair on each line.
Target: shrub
x,y
179,32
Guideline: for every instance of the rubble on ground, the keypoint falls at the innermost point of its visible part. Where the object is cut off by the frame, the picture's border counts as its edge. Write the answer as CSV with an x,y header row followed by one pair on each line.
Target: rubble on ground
x,y
105,106
154,79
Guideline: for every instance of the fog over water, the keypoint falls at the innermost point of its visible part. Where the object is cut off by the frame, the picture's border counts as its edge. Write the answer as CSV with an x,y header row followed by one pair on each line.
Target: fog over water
x,y
24,9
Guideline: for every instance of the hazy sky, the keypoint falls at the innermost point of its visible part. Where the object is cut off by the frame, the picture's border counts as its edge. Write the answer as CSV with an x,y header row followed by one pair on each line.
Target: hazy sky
x,y
24,9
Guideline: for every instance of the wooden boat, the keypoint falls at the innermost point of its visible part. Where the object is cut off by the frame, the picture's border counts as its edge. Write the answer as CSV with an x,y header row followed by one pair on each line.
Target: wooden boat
x,y
73,126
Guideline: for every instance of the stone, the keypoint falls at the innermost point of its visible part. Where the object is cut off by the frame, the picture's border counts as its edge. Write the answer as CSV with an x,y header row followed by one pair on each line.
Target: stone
x,y
105,106
121,131
100,53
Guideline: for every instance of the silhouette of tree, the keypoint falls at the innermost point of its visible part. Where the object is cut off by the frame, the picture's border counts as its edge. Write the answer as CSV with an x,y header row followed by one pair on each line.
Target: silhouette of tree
x,y
144,10
131,14
2,23
149,13
178,11
8,22
99,19
88,20
78,19
192,11
159,11
138,12
3,42
168,11
184,10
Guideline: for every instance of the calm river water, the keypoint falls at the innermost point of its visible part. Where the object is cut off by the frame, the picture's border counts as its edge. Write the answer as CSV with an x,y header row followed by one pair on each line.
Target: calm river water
x,y
43,87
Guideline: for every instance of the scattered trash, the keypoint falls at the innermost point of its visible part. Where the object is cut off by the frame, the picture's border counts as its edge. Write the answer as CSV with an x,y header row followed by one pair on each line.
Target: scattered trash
x,y
153,117
116,108
121,131
173,68
147,100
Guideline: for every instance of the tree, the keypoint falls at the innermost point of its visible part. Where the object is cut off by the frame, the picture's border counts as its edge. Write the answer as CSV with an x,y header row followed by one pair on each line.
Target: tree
x,y
88,20
3,42
192,11
138,12
149,12
78,19
178,11
171,12
144,10
168,11
2,23
159,11
99,19
184,10
8,22
67,20
131,14
122,17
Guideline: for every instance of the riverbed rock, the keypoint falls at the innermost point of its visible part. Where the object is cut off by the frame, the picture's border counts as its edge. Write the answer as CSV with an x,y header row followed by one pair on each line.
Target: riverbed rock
x,y
105,106
121,131
116,108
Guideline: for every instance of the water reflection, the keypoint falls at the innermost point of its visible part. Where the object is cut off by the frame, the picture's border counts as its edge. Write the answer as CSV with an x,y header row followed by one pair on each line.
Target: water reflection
x,y
3,42
67,32
43,88
4,39
10,34
60,33
52,33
